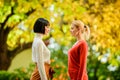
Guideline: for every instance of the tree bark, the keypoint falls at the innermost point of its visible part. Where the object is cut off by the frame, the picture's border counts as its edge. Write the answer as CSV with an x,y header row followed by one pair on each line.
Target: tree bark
x,y
4,59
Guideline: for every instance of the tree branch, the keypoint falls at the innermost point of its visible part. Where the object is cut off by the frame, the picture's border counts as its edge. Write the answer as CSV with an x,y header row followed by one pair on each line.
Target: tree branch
x,y
8,16
21,48
12,8
61,24
18,49
30,12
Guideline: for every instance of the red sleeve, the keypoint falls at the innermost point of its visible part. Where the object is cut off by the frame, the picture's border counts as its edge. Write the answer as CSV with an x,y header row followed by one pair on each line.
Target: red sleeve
x,y
83,59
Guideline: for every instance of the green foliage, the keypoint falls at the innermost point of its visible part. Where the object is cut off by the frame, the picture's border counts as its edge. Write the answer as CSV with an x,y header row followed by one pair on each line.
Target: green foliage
x,y
4,75
18,74
100,66
116,74
59,61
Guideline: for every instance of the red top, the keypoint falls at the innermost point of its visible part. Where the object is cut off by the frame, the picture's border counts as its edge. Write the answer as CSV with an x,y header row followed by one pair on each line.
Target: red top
x,y
77,57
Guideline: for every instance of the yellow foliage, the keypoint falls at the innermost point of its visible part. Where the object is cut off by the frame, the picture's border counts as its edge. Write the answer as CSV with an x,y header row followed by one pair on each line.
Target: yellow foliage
x,y
102,17
104,24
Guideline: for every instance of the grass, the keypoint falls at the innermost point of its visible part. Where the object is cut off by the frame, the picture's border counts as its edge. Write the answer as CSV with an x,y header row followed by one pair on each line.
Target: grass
x,y
23,59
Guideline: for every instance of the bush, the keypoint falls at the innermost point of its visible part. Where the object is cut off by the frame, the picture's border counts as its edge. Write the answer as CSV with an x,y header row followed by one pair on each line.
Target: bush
x,y
18,74
4,75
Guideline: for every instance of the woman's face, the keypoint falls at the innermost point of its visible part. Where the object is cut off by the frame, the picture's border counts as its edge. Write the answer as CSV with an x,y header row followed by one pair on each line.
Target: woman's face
x,y
74,31
47,29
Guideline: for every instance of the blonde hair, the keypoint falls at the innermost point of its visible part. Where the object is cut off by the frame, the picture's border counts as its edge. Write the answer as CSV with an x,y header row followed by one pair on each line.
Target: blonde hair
x,y
84,28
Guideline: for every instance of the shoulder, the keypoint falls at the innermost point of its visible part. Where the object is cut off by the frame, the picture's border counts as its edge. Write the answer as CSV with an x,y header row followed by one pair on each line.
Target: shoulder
x,y
82,43
37,42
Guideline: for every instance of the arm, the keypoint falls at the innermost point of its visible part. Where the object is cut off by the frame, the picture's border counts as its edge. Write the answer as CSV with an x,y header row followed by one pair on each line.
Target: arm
x,y
40,62
82,59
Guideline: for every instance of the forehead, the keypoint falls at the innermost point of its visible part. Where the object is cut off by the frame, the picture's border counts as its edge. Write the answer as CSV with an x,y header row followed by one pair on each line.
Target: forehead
x,y
73,26
47,26
77,23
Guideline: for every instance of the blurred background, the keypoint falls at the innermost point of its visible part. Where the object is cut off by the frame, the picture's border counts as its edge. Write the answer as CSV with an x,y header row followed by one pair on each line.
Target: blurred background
x,y
16,35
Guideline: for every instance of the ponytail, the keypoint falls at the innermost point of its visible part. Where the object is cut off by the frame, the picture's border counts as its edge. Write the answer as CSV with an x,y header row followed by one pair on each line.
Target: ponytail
x,y
86,32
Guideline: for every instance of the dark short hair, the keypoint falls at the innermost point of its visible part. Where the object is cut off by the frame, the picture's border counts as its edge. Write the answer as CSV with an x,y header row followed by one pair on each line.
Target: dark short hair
x,y
39,26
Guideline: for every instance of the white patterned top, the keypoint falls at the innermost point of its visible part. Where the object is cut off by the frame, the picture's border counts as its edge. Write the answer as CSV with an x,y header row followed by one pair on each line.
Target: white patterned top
x,y
40,55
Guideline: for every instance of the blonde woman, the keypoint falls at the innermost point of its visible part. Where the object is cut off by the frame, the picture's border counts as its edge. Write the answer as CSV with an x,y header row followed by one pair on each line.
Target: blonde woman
x,y
77,55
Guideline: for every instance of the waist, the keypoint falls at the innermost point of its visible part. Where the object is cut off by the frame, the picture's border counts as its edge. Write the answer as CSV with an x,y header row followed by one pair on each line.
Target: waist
x,y
73,67
46,63
77,70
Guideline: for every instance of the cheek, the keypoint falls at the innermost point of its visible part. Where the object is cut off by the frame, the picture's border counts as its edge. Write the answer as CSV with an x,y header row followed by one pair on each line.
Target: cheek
x,y
47,30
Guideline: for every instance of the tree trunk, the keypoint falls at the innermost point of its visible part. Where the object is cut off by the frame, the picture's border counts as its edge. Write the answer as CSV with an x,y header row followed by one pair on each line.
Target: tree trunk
x,y
4,58
4,61
6,55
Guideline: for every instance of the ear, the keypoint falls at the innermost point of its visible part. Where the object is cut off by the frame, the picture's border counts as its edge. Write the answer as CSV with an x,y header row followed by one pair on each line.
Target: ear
x,y
80,30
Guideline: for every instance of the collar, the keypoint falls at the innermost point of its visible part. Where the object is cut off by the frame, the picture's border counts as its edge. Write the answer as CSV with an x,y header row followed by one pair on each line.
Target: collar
x,y
39,35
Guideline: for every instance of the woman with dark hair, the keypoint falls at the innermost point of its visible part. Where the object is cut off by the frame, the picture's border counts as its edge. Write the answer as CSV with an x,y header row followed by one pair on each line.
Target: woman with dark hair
x,y
77,55
40,53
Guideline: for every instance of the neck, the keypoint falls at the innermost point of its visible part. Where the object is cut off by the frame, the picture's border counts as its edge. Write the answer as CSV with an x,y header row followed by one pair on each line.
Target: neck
x,y
39,35
80,38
